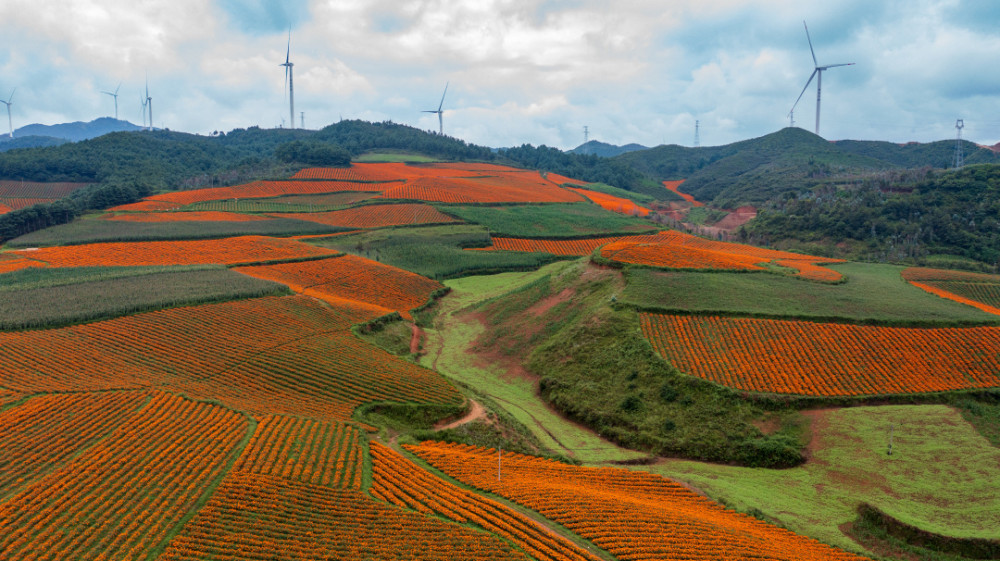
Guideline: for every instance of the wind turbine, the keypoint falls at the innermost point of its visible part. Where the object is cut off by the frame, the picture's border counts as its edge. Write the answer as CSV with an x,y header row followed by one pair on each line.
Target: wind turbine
x,y
439,111
818,74
148,105
9,102
115,95
288,79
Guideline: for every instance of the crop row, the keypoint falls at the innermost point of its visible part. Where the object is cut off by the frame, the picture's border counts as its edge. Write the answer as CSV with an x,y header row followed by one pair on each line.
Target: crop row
x,y
352,278
259,518
229,251
289,203
983,296
124,495
925,274
16,203
262,189
805,358
504,189
306,451
399,481
633,515
47,430
376,216
191,216
555,247
33,189
10,262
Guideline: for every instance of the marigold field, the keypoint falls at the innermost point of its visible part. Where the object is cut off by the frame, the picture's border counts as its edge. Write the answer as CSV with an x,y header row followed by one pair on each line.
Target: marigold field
x,y
826,359
612,203
555,247
196,216
978,290
632,515
375,216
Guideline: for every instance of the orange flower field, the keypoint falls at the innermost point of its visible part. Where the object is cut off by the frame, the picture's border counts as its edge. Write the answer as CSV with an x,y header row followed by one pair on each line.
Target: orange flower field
x,y
227,251
375,216
306,451
10,262
978,290
632,515
399,481
612,203
202,216
261,517
674,187
805,358
277,355
678,250
4,209
17,203
352,278
509,188
121,496
555,247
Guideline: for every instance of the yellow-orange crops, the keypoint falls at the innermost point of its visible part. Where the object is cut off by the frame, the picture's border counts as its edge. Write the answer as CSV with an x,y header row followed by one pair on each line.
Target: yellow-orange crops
x,y
509,188
375,216
978,290
633,515
612,203
303,450
228,251
4,209
555,247
800,357
10,262
17,203
277,355
352,278
260,189
683,251
121,497
674,186
197,216
258,516
145,205
399,481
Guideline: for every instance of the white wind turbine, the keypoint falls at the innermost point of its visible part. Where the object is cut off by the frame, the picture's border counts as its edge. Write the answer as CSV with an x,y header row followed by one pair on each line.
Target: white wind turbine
x,y
818,74
115,95
439,111
148,106
10,102
288,79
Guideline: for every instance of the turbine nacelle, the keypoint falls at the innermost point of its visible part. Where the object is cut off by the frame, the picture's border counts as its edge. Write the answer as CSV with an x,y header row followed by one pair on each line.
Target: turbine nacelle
x,y
816,73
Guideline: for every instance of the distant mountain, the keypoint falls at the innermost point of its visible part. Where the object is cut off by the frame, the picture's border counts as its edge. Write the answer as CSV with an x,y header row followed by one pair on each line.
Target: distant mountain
x,y
604,149
7,143
79,130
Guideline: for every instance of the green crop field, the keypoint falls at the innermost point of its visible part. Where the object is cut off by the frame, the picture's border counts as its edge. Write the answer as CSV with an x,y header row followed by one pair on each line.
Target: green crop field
x,y
570,220
40,298
437,252
288,203
940,477
97,231
870,293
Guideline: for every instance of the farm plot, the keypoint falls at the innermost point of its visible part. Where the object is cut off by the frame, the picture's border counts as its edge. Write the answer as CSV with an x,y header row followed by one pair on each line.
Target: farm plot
x,y
263,189
399,481
978,290
633,515
287,203
228,251
555,247
349,278
124,494
612,203
376,216
481,190
254,516
193,216
805,358
34,189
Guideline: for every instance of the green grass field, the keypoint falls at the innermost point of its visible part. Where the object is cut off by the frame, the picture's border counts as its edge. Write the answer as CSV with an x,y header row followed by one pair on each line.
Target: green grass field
x,y
436,252
872,292
42,298
447,348
380,157
569,220
288,203
941,476
97,231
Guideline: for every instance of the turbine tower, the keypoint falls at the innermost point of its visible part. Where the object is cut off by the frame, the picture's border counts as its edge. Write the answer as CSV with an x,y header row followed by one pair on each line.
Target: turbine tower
x,y
115,95
959,156
149,106
10,102
818,74
439,111
288,79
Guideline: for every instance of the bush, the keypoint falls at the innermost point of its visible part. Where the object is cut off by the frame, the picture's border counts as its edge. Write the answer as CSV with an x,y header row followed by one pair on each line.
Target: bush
x,y
313,153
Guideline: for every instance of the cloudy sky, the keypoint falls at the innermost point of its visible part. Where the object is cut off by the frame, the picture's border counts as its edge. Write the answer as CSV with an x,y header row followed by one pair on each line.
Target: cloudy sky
x,y
520,71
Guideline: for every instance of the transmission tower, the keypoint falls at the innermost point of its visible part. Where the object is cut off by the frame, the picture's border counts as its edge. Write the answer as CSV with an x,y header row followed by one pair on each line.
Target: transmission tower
x,y
586,134
697,141
959,156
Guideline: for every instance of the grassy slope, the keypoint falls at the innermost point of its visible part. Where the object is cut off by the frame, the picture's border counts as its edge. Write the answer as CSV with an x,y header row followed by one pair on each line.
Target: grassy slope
x,y
941,476
570,220
871,293
447,345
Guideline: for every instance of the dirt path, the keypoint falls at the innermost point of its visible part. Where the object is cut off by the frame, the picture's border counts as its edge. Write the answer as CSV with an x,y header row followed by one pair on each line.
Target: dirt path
x,y
418,335
475,413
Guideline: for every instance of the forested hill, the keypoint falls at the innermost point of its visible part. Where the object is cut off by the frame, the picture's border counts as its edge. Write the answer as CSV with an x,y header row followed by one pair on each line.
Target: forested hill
x,y
940,154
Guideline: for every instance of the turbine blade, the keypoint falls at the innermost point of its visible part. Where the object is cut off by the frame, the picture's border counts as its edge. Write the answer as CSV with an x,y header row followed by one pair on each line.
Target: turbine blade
x,y
811,76
11,95
118,88
288,50
836,65
810,44
440,105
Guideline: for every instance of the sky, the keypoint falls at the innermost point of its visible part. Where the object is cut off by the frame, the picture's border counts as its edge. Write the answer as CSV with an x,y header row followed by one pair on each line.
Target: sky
x,y
518,71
